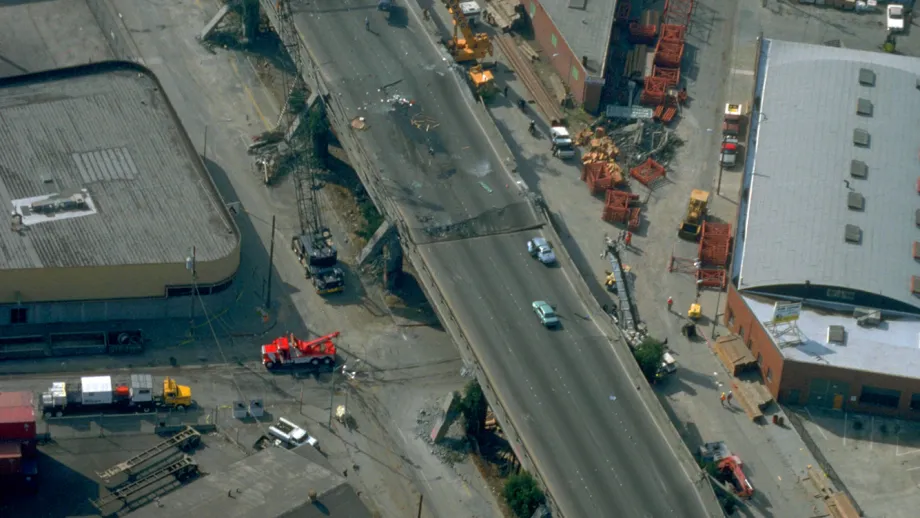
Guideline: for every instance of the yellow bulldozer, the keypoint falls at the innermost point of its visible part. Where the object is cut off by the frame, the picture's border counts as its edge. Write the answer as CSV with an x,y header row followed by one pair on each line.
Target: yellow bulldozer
x,y
696,212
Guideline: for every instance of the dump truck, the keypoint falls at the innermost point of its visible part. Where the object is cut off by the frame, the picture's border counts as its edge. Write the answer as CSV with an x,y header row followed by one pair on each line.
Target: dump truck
x,y
728,156
692,224
94,394
731,132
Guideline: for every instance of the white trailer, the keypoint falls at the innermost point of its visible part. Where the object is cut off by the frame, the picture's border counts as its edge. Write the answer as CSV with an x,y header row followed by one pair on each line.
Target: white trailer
x,y
98,393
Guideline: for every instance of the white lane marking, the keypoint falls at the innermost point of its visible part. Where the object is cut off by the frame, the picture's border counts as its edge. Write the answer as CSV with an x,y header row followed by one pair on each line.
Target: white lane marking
x,y
742,72
812,419
461,88
648,409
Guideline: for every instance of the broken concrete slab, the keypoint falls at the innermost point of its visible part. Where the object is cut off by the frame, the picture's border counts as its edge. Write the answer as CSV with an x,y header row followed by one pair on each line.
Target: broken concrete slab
x,y
215,21
375,243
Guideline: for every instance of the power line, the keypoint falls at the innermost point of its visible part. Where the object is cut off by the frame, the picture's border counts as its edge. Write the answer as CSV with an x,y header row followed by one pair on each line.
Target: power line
x,y
223,356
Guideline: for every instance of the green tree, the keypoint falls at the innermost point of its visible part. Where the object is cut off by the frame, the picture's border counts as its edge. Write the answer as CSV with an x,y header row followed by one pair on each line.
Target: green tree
x,y
474,407
297,100
318,126
649,355
523,494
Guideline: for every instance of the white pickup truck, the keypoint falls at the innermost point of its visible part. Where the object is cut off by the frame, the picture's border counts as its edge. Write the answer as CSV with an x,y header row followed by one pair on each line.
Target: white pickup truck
x,y
895,18
291,435
563,147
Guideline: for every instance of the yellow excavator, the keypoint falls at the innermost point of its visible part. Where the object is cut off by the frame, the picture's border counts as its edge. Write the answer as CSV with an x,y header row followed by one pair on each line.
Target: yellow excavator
x,y
696,213
467,46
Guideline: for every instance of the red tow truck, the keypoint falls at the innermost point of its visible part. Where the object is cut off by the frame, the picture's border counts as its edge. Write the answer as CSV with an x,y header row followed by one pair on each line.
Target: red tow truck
x,y
290,351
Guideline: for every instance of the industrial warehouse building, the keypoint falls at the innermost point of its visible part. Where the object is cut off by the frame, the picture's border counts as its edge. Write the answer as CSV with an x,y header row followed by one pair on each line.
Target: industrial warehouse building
x,y
575,37
112,214
830,219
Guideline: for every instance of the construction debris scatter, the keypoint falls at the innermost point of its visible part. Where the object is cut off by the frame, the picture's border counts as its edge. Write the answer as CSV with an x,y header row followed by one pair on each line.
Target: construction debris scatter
x,y
424,122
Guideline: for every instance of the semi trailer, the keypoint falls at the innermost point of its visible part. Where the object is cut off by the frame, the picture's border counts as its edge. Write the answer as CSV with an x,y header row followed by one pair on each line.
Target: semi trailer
x,y
93,394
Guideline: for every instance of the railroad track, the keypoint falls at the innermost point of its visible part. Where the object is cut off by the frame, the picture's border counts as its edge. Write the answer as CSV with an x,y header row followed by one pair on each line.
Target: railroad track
x,y
526,74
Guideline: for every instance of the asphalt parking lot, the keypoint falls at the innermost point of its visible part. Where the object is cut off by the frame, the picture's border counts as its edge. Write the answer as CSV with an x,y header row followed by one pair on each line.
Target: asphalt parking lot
x,y
877,458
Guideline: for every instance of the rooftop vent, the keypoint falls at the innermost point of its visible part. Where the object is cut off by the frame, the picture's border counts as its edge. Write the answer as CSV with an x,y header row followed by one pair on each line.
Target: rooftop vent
x,y
917,217
864,107
836,335
861,137
917,250
866,77
915,285
856,201
852,234
859,169
866,317
578,4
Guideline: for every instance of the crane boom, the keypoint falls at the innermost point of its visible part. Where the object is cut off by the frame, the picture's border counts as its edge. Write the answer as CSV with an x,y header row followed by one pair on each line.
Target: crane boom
x,y
314,246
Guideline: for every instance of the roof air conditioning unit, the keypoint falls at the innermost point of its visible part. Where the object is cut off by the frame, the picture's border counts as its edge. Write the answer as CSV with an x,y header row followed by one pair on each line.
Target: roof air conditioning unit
x,y
836,335
867,317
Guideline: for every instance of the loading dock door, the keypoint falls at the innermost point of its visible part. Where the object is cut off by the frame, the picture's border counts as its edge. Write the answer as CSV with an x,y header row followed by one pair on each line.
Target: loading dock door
x,y
828,394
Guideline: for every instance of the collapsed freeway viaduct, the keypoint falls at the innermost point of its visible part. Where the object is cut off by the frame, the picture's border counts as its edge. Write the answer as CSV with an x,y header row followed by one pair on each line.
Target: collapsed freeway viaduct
x,y
435,164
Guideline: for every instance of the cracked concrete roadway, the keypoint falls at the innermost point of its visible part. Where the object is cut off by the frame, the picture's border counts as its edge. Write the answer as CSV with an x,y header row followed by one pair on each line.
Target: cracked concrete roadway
x,y
568,392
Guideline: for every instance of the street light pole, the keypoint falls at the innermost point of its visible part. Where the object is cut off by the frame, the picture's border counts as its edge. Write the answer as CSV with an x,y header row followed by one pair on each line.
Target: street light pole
x,y
271,262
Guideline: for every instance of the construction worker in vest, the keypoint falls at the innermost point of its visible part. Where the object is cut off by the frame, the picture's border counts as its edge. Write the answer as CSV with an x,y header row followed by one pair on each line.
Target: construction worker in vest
x,y
723,398
670,303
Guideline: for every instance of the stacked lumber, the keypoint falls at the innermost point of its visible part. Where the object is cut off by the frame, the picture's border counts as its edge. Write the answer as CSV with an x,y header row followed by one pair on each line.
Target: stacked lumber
x,y
752,399
735,356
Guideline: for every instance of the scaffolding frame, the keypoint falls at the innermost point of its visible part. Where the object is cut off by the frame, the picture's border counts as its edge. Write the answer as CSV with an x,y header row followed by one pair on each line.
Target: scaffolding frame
x,y
785,334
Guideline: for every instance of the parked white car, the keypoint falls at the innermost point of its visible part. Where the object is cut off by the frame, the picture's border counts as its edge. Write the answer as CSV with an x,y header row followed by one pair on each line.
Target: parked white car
x,y
539,248
896,18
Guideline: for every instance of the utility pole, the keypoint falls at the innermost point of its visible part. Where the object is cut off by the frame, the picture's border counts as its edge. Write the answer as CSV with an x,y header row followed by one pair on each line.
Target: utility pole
x,y
332,396
271,262
204,149
190,266
715,319
719,184
421,497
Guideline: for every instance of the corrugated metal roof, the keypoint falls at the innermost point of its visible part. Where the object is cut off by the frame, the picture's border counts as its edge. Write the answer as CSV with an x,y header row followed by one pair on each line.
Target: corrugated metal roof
x,y
8,399
587,30
801,176
17,414
112,132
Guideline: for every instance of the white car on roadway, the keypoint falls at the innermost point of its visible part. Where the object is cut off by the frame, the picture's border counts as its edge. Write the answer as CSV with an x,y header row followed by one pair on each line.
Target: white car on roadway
x,y
896,18
539,248
545,313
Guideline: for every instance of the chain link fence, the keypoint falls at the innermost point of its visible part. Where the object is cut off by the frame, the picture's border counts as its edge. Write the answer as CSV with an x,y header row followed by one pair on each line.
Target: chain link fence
x,y
796,421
